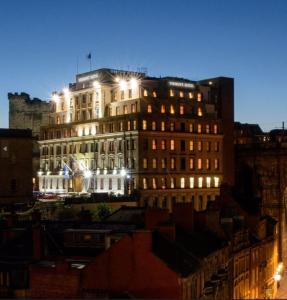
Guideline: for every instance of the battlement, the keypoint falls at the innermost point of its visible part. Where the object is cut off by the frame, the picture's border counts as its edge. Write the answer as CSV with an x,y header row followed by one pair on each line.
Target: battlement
x,y
25,97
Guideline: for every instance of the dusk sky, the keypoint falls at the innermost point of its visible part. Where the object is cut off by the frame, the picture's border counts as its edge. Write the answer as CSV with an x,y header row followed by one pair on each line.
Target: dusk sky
x,y
41,40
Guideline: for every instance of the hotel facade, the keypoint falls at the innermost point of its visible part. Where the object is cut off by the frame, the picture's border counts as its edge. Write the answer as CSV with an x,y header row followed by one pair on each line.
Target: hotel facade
x,y
164,139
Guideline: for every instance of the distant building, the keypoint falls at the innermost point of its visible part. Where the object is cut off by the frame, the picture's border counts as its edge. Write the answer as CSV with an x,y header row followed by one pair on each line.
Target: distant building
x,y
261,176
27,113
113,131
16,166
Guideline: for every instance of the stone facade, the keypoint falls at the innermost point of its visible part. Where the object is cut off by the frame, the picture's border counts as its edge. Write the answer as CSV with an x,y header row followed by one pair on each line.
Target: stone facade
x,y
27,113
123,132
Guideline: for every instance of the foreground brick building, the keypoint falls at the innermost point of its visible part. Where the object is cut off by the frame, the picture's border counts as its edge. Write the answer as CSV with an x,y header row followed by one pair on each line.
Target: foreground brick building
x,y
16,166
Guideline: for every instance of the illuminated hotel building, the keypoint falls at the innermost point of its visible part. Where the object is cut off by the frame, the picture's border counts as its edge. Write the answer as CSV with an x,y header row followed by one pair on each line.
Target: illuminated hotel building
x,y
163,139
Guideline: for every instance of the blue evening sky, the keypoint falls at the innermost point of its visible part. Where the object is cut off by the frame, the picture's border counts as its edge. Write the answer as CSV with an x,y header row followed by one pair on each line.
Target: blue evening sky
x,y
41,40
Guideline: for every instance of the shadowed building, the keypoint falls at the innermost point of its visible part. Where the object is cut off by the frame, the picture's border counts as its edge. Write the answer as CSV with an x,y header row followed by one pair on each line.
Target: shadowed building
x,y
16,166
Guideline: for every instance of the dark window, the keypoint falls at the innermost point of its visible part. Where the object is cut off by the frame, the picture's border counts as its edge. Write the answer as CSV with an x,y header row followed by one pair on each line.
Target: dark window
x,y
145,144
182,163
13,185
182,127
182,145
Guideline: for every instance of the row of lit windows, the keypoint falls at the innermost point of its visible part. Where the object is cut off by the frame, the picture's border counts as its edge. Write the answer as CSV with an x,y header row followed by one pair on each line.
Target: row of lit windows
x,y
173,93
183,145
163,127
172,183
104,146
201,163
171,109
132,125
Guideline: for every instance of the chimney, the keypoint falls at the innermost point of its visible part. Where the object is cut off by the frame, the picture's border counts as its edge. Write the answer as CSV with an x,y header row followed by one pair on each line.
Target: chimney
x,y
155,217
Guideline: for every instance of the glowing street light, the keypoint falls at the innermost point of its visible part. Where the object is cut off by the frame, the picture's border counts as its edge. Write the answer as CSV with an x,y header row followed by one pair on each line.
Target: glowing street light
x,y
277,277
55,97
123,172
96,84
66,92
134,82
123,84
87,174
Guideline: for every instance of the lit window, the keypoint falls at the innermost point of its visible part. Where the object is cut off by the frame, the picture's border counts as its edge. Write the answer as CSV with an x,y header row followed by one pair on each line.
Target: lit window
x,y
153,144
199,97
135,124
182,182
191,182
215,129
199,164
216,182
154,183
200,181
171,144
171,93
207,164
199,128
134,108
172,183
171,126
129,125
145,93
208,182
154,94
171,110
181,109
199,111
162,109
162,126
144,183
144,125
190,95
181,94
207,128
208,146
216,164
125,109
163,144
163,183
153,125
191,164
145,163
172,163
199,145
190,127
163,163
154,163
149,108
191,147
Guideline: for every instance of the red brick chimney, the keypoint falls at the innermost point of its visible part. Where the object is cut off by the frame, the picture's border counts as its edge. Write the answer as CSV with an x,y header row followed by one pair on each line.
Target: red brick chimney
x,y
155,217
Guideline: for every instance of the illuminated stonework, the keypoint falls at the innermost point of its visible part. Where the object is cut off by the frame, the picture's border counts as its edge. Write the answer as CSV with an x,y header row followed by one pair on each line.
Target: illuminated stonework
x,y
123,132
